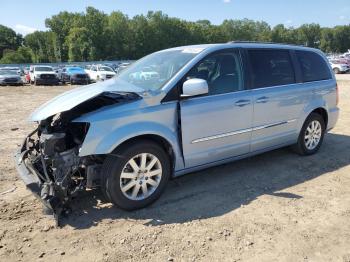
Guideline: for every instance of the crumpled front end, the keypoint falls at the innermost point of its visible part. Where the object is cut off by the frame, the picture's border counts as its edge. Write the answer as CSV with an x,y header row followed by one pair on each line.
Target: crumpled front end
x,y
48,161
49,164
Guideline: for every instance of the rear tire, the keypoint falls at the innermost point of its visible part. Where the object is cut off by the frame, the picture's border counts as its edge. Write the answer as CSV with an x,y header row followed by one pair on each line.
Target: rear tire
x,y
135,175
336,71
311,135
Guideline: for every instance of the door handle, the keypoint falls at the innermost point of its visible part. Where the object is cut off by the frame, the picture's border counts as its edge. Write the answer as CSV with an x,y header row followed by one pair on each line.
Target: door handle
x,y
262,100
242,103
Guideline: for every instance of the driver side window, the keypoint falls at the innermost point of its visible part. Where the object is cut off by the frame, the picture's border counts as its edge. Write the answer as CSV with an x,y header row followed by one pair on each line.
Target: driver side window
x,y
221,70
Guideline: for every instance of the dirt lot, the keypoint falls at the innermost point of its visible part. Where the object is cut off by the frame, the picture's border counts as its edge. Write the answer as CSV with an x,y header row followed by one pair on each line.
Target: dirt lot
x,y
274,207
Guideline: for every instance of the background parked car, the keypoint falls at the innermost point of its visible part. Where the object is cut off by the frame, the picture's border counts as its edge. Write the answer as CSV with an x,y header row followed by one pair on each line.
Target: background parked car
x,y
146,73
122,66
100,72
342,60
114,66
43,75
10,77
339,68
73,75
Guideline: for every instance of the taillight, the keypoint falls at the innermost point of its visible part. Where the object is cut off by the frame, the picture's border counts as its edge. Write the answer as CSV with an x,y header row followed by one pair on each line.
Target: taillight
x,y
337,94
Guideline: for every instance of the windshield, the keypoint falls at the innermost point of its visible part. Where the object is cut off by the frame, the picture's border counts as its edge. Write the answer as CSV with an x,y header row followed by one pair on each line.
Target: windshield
x,y
43,69
154,70
105,68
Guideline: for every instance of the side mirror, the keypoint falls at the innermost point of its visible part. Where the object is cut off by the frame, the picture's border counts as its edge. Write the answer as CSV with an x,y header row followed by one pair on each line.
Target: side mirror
x,y
194,87
31,71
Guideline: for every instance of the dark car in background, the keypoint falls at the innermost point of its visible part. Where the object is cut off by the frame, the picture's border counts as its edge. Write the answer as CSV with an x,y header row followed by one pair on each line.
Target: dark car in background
x,y
122,66
74,75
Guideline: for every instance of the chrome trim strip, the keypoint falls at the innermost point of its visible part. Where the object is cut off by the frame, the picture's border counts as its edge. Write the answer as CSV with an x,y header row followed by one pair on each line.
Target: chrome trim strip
x,y
273,125
243,131
221,135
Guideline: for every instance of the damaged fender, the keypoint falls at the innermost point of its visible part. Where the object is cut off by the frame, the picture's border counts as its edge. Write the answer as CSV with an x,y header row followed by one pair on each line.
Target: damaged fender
x,y
48,161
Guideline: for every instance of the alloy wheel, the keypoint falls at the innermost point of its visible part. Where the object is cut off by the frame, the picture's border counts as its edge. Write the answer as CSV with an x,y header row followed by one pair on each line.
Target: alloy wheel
x,y
141,176
313,134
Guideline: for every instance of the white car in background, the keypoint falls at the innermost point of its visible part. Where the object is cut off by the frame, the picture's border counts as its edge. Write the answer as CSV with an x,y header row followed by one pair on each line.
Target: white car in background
x,y
43,75
339,68
146,73
100,72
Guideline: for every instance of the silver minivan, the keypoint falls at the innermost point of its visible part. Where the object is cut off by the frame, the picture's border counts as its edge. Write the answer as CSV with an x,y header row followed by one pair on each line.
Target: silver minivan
x,y
199,106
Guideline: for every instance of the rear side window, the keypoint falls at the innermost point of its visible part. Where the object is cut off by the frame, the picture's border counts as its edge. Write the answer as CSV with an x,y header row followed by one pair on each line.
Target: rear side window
x,y
313,66
271,67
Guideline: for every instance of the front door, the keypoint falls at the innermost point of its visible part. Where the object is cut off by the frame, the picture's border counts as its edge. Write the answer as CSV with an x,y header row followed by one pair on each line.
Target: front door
x,y
217,126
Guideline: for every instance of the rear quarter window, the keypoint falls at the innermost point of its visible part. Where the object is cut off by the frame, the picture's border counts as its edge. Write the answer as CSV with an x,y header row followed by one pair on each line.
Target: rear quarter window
x,y
313,66
271,67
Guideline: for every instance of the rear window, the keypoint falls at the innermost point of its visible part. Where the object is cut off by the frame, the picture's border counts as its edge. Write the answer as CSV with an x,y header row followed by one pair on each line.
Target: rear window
x,y
271,68
313,66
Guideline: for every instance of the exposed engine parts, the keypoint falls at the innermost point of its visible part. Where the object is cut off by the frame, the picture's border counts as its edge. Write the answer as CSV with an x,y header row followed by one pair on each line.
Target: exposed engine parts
x,y
52,153
49,161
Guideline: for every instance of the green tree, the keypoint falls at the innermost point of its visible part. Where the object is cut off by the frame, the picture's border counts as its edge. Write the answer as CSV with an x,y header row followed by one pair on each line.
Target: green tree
x,y
118,32
60,25
246,30
327,42
22,55
341,38
141,39
43,46
78,43
9,39
309,35
281,34
94,35
96,23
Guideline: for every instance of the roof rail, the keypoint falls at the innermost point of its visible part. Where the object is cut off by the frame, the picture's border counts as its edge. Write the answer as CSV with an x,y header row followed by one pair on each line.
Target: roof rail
x,y
260,42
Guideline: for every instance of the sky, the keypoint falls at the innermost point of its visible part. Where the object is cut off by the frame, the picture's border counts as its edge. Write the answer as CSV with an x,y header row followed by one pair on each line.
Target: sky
x,y
27,16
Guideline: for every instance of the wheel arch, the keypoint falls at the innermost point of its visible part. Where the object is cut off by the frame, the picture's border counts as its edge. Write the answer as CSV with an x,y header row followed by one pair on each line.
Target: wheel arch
x,y
322,112
161,141
318,106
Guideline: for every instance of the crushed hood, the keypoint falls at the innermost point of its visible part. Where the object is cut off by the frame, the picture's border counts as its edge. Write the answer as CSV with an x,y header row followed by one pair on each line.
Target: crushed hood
x,y
72,98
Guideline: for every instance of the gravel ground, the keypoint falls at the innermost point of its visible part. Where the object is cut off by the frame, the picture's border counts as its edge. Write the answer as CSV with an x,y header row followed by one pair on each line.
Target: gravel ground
x,y
274,207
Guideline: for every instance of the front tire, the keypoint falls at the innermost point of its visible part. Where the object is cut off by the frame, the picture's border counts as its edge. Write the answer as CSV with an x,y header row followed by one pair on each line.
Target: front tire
x,y
311,135
136,174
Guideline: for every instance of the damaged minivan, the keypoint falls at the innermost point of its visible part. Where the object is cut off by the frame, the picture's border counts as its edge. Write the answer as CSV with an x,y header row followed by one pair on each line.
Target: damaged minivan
x,y
201,106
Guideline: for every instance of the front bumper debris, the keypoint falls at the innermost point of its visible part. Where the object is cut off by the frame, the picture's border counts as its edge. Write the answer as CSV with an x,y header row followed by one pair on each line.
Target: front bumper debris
x,y
38,183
